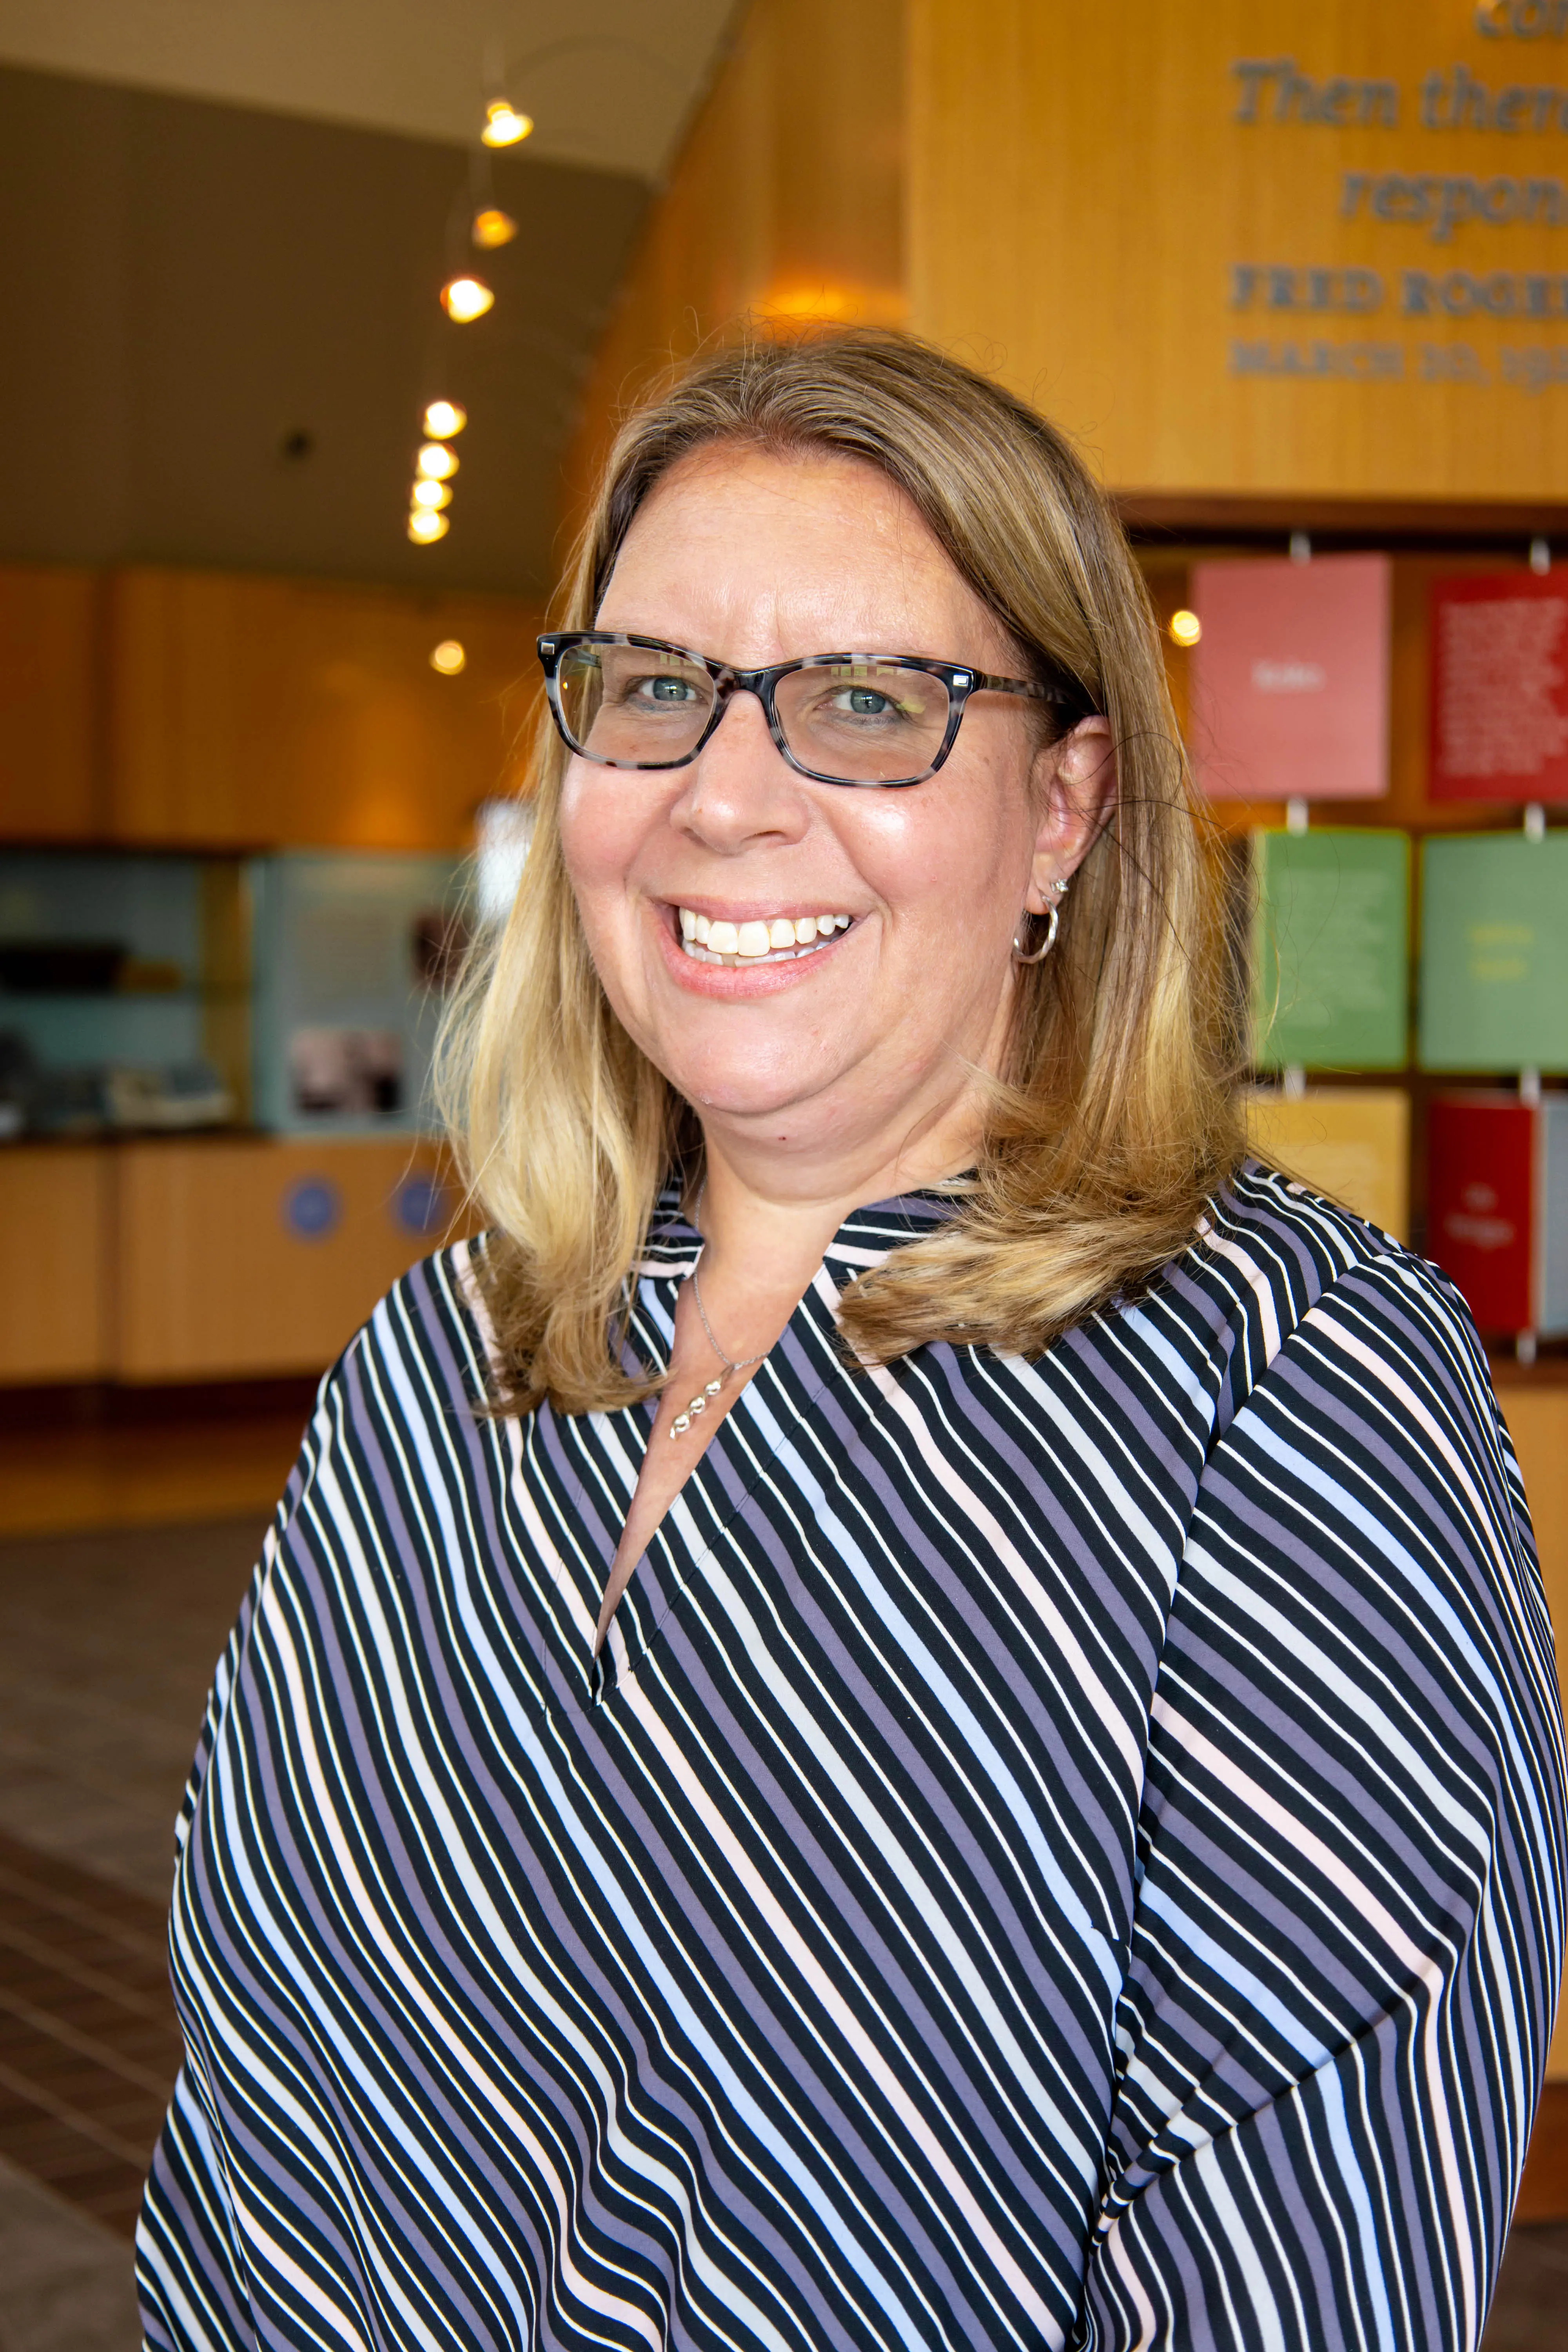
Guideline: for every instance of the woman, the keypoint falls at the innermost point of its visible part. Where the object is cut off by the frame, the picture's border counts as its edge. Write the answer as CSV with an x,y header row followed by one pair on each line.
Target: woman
x,y
911,1710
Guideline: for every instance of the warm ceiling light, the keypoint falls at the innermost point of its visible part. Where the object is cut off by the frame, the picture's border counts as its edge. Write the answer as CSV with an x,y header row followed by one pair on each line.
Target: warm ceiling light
x,y
504,126
443,418
437,462
807,302
494,228
425,525
448,657
1185,627
465,298
428,493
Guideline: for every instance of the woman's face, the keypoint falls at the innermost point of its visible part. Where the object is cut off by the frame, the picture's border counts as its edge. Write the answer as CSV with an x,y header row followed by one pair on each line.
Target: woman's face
x,y
864,1041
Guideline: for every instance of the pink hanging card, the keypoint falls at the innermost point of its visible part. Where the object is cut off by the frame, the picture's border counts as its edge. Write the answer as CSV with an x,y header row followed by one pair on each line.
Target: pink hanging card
x,y
1291,678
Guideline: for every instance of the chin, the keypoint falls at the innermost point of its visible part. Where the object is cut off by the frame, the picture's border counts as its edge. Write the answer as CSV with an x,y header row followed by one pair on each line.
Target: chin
x,y
725,1090
742,1098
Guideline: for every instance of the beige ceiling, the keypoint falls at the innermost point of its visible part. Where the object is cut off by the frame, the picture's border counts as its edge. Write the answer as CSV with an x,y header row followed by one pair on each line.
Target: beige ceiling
x,y
609,82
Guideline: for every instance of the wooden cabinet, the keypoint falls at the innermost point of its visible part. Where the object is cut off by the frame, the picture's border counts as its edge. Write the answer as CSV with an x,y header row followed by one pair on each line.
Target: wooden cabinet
x,y
55,1279
240,1257
49,703
253,712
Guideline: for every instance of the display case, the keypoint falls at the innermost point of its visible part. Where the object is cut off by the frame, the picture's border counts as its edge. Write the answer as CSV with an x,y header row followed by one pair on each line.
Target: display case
x,y
351,956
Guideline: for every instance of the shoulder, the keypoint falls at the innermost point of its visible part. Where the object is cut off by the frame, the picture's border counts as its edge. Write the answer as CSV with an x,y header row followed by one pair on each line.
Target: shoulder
x,y
422,1356
1274,1266
1365,1448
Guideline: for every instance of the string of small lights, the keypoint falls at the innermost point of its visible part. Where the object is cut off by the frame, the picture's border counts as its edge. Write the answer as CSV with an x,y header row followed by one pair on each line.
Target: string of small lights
x,y
477,223
465,296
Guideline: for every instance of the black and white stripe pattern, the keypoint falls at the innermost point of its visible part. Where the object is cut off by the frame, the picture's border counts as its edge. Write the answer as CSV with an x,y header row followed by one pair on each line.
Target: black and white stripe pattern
x,y
1059,1851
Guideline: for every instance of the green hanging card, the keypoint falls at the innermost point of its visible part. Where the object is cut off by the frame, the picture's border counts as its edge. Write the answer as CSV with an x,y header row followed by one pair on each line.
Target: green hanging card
x,y
1494,952
1331,949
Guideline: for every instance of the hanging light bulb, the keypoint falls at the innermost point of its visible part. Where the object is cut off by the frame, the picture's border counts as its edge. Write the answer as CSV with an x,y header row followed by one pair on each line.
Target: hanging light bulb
x,y
451,658
504,126
425,526
1185,627
494,228
465,298
428,493
437,462
444,420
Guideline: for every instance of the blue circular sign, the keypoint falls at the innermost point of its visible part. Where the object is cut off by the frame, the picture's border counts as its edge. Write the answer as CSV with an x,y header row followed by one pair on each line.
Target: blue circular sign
x,y
421,1207
312,1208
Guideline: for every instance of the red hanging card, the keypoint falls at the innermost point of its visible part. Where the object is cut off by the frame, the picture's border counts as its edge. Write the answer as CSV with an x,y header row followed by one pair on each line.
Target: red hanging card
x,y
1499,687
1482,1204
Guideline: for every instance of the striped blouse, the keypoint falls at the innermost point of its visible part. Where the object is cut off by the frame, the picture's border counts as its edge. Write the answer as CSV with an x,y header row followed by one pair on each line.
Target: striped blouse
x,y
1055,1852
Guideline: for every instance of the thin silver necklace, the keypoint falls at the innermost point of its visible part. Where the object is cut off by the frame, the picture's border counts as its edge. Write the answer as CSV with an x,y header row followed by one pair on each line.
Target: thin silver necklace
x,y
683,1421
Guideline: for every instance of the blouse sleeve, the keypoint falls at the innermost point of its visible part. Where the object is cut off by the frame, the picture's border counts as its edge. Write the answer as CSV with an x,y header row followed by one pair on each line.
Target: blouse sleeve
x,y
1350,1921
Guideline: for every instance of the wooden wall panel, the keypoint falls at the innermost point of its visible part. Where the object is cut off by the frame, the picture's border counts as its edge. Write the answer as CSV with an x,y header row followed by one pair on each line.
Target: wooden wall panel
x,y
1082,191
212,1282
247,712
56,1283
1537,1417
49,748
786,203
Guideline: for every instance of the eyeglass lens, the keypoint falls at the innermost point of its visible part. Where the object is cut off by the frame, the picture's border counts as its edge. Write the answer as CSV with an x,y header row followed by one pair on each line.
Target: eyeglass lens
x,y
860,722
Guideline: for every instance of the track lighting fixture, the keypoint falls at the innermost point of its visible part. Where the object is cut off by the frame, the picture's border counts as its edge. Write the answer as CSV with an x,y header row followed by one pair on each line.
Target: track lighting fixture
x,y
465,298
504,126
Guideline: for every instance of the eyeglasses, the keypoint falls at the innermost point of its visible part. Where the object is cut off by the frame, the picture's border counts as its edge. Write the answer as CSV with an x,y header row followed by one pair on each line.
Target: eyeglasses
x,y
840,718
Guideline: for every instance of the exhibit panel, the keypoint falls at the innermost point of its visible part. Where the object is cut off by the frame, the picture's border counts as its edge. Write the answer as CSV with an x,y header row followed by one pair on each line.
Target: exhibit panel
x,y
1255,248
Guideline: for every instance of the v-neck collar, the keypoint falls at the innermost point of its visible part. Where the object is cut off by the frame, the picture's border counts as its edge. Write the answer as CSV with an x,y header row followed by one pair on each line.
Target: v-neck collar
x,y
600,1451
865,1238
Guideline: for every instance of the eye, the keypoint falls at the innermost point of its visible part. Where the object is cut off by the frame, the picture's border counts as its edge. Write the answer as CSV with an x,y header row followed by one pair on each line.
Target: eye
x,y
864,702
655,691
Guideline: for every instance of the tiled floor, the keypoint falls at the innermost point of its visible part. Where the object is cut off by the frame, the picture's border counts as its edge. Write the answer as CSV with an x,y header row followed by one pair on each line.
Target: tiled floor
x,y
107,1643
65,2282
88,2039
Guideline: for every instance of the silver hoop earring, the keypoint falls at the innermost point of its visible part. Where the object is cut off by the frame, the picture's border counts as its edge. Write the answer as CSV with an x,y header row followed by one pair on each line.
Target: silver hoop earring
x,y
1053,924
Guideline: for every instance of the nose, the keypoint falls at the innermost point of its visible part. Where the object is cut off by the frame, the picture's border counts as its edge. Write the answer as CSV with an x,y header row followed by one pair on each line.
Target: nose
x,y
740,789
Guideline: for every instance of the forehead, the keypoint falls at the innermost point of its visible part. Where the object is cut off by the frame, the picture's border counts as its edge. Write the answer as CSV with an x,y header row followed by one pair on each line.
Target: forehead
x,y
793,554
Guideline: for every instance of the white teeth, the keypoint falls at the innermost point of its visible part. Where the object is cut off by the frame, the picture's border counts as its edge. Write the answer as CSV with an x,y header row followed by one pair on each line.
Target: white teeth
x,y
755,941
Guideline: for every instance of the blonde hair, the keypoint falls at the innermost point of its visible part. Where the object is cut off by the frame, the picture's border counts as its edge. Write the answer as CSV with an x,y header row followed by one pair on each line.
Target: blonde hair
x,y
1115,1119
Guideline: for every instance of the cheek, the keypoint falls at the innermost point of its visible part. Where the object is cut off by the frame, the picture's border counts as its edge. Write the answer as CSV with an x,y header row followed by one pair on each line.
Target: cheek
x,y
600,831
965,851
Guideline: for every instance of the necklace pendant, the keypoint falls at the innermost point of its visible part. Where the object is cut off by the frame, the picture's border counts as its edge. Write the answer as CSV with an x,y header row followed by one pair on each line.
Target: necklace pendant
x,y
683,1421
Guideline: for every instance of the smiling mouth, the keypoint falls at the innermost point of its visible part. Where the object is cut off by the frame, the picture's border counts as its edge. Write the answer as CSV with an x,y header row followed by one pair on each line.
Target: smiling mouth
x,y
783,939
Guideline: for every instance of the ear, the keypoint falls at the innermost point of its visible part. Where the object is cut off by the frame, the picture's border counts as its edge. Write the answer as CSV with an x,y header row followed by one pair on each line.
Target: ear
x,y
1074,782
